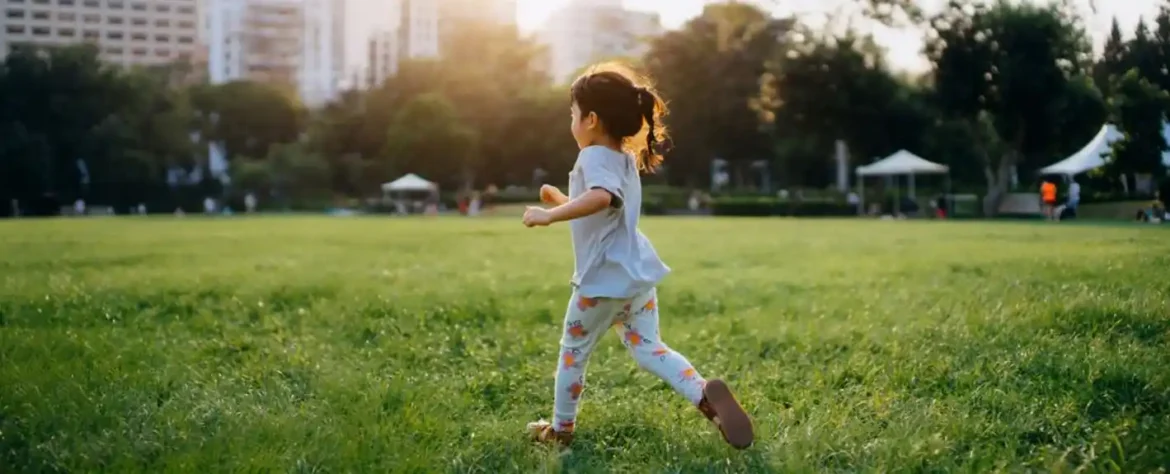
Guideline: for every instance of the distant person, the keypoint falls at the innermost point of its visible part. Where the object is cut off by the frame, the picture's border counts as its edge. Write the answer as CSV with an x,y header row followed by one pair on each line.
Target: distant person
x,y
473,208
208,206
250,203
1048,199
1156,213
617,269
1074,195
79,207
854,201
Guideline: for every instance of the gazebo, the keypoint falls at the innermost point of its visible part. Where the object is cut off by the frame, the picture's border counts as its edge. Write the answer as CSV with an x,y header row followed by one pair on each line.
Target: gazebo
x,y
901,162
408,184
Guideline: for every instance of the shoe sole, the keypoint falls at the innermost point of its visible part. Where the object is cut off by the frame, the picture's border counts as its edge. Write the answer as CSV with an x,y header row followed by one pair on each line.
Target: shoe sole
x,y
734,422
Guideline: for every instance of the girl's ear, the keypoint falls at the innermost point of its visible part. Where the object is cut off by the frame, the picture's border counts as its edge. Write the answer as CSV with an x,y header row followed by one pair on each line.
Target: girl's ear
x,y
592,120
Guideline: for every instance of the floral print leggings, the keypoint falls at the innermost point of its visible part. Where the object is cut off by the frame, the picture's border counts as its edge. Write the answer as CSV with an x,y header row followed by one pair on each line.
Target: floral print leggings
x,y
636,322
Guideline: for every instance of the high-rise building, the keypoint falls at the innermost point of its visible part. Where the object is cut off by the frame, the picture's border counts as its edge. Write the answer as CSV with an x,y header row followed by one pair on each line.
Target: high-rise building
x,y
128,32
418,29
414,29
383,57
297,43
586,31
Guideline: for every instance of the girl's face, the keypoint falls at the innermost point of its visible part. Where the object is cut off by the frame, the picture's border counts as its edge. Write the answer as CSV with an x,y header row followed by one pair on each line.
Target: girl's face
x,y
584,129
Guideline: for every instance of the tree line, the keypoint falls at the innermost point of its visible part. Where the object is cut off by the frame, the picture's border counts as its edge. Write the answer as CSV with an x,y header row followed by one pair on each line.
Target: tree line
x,y
1012,87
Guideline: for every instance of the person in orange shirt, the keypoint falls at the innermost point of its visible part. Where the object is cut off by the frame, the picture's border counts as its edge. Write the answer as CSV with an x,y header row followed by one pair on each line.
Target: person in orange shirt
x,y
1048,197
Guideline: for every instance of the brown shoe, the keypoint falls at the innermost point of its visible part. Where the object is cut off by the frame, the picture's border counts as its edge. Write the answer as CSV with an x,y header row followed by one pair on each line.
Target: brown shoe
x,y
720,406
543,432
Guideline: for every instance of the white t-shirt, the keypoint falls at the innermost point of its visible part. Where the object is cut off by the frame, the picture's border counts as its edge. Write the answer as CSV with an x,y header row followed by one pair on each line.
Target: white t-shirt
x,y
612,258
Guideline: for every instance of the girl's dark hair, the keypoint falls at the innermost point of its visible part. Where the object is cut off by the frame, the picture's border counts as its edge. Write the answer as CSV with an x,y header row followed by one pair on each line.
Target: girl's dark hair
x,y
628,107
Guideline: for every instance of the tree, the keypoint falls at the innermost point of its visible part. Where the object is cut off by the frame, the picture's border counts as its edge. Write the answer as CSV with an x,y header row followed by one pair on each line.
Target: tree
x,y
1013,74
1138,108
150,135
1144,54
428,138
1113,59
74,127
825,89
52,101
1162,42
248,117
709,72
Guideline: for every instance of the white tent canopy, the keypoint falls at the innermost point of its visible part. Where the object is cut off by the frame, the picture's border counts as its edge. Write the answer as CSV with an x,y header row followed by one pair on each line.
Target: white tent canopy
x,y
1092,155
409,183
899,163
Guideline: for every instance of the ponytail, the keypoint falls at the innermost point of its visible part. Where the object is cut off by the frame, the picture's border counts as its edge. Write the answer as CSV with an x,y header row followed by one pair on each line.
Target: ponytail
x,y
650,106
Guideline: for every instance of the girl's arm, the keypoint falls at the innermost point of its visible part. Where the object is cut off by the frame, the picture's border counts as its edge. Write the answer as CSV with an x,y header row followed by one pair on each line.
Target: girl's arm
x,y
593,201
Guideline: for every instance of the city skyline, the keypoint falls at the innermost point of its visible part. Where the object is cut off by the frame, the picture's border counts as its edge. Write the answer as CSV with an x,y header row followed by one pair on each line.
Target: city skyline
x,y
904,45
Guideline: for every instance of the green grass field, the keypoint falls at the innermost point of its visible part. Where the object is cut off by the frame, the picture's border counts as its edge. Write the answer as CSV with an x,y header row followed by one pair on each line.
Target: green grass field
x,y
378,345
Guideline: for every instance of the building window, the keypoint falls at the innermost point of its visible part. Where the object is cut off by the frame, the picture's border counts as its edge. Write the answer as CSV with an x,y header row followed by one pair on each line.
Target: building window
x,y
186,24
115,20
186,10
65,3
138,37
163,23
186,40
163,8
92,3
67,32
139,52
15,13
115,35
141,7
91,34
40,31
162,38
162,53
15,29
41,2
40,15
15,1
92,19
117,51
138,21
117,5
67,16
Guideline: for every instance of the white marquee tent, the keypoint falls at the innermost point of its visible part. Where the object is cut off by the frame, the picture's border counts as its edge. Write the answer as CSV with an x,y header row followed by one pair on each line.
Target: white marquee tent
x,y
901,162
1092,155
409,183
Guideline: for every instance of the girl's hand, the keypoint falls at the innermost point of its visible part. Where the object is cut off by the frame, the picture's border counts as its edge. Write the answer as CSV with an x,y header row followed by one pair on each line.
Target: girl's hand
x,y
535,216
552,196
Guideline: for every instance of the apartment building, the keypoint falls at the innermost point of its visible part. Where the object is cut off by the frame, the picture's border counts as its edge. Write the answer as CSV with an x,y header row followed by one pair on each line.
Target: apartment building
x,y
128,32
296,43
414,29
586,31
383,57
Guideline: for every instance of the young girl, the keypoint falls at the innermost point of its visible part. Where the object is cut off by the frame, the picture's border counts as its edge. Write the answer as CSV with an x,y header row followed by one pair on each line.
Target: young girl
x,y
616,268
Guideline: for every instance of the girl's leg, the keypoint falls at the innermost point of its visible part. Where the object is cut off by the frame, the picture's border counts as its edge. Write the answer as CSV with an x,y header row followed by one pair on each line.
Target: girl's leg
x,y
586,319
638,329
639,332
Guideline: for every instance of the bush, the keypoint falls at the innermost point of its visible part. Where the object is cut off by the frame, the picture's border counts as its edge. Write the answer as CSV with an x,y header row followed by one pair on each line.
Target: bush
x,y
769,206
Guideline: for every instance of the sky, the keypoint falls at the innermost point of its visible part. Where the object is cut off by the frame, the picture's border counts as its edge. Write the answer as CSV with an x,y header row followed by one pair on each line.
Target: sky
x,y
903,45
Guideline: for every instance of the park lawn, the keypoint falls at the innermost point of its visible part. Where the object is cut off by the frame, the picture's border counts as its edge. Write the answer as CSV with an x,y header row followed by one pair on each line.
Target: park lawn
x,y
414,345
